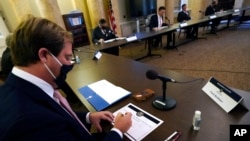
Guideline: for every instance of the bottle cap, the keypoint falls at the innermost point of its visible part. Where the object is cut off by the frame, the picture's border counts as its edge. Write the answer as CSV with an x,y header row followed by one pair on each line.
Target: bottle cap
x,y
197,113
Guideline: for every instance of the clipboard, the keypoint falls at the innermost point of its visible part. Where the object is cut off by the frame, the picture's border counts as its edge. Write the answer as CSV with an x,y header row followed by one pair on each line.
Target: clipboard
x,y
143,123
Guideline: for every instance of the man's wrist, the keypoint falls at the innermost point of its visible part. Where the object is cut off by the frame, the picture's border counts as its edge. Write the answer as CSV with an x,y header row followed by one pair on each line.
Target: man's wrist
x,y
117,131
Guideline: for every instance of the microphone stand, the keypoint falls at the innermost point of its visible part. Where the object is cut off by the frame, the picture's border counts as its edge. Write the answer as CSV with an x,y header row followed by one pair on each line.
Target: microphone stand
x,y
163,102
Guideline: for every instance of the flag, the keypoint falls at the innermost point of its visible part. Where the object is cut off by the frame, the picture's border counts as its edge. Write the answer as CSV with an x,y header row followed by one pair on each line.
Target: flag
x,y
112,17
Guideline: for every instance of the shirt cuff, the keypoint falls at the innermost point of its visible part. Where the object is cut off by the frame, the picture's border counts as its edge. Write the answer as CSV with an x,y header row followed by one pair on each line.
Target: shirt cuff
x,y
87,118
117,131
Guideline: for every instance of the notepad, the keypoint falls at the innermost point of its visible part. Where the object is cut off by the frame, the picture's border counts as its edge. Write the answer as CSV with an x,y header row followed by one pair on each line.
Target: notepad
x,y
102,94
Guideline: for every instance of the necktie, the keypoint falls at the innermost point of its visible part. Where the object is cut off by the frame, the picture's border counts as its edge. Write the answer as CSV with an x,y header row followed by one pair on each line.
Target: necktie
x,y
64,103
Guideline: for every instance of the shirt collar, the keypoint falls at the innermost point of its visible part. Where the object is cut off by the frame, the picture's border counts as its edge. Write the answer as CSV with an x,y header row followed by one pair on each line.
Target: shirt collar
x,y
46,87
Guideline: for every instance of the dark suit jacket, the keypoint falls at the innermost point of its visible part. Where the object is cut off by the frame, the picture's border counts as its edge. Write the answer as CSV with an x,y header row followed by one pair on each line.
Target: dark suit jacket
x,y
182,16
154,22
28,114
98,34
210,10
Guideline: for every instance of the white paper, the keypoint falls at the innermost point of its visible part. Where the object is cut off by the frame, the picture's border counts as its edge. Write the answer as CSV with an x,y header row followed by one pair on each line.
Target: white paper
x,y
141,126
110,40
108,91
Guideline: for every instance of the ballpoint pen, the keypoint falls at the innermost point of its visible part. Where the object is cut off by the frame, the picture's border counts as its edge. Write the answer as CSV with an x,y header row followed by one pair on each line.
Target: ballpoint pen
x,y
171,136
177,136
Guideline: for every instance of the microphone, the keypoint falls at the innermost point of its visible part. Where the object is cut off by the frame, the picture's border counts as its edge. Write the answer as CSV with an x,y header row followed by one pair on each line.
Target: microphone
x,y
162,102
152,75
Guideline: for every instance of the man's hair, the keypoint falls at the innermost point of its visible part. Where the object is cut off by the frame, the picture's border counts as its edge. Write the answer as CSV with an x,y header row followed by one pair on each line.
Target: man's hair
x,y
34,33
102,21
214,2
161,8
8,40
183,5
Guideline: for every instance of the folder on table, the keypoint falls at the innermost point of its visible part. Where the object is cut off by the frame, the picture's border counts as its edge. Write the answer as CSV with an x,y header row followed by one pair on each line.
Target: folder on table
x,y
102,94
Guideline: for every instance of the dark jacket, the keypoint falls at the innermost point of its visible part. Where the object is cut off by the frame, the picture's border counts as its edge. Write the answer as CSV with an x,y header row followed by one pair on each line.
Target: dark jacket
x,y
182,16
210,10
29,114
154,22
98,34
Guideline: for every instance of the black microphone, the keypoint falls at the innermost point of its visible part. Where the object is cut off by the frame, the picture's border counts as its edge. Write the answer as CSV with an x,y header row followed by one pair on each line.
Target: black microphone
x,y
162,102
152,75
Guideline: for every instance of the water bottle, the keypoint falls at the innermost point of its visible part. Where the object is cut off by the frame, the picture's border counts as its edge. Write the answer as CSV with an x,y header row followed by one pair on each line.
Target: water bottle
x,y
77,59
197,120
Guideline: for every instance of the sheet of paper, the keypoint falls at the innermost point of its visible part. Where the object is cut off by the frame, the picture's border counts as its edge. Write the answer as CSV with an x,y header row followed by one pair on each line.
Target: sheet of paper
x,y
143,123
108,91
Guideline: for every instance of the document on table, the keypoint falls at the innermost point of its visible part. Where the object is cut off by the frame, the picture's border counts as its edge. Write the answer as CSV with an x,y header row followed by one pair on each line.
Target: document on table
x,y
143,122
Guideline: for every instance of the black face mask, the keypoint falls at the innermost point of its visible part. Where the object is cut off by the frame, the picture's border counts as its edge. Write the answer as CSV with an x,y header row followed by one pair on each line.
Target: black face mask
x,y
63,75
59,80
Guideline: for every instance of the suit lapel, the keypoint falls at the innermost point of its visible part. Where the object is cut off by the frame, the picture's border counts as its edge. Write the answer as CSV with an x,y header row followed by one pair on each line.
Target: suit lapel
x,y
39,96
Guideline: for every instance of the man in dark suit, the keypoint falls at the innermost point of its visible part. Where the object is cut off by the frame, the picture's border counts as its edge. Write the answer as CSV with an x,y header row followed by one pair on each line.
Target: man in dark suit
x,y
211,10
156,21
29,104
184,16
102,32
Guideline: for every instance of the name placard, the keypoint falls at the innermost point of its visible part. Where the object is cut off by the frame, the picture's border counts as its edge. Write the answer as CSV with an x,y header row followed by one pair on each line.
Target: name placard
x,y
212,16
236,10
131,38
226,98
183,24
97,55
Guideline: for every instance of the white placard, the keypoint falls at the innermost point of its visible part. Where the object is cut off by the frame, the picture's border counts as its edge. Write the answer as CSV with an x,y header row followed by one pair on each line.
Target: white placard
x,y
97,55
183,24
131,38
143,123
222,95
236,10
212,16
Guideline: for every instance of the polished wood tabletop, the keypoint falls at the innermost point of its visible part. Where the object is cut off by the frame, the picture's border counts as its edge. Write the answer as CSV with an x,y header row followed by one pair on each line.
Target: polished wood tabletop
x,y
130,75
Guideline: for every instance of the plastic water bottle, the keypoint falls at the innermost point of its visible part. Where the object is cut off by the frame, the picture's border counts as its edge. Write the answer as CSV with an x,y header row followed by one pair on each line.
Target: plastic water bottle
x,y
77,59
197,120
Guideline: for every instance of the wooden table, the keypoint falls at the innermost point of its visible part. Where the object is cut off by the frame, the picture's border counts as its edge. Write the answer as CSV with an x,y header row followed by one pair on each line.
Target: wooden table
x,y
189,97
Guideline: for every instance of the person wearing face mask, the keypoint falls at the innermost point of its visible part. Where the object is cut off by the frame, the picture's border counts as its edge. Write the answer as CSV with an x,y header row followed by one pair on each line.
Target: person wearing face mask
x,y
184,16
211,10
31,106
102,32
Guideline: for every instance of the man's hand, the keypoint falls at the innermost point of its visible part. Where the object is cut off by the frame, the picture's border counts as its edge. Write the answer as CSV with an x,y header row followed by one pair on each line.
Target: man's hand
x,y
96,117
123,122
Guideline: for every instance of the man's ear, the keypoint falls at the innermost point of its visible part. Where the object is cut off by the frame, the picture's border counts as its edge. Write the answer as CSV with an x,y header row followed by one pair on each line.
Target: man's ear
x,y
42,53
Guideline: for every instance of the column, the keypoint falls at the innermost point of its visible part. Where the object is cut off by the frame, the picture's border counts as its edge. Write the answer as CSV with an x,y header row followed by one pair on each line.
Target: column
x,y
170,10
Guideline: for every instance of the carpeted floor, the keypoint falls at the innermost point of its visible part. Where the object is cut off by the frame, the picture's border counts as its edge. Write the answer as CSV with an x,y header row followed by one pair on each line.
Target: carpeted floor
x,y
225,56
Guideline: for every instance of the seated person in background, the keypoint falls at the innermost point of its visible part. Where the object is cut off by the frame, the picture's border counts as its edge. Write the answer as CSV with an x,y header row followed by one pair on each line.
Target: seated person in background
x,y
211,10
156,21
102,32
6,62
31,108
184,16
